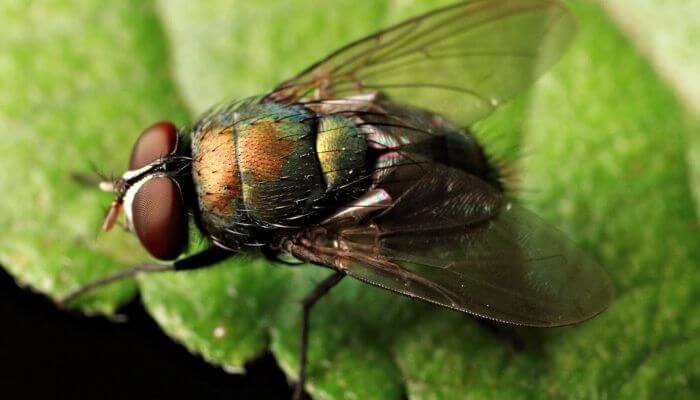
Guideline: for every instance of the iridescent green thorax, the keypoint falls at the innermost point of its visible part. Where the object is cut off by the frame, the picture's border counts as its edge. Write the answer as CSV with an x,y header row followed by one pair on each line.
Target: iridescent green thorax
x,y
275,150
269,166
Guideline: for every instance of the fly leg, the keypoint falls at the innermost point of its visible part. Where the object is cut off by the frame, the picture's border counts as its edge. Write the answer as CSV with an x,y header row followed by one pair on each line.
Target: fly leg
x,y
203,259
319,291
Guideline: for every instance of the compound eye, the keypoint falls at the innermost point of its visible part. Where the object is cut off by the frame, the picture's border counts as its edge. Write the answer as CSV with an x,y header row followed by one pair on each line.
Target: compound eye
x,y
159,218
158,140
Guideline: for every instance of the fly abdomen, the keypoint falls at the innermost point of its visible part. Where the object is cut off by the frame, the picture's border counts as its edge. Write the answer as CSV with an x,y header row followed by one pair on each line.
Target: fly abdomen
x,y
265,167
342,152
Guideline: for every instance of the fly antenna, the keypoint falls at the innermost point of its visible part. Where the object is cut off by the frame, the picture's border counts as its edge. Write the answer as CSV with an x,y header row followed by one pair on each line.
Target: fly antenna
x,y
95,179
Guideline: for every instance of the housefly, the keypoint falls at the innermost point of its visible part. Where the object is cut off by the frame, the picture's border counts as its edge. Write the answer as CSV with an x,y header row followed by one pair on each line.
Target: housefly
x,y
362,164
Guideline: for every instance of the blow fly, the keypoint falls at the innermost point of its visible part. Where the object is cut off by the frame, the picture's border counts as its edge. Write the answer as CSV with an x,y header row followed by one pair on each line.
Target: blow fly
x,y
364,163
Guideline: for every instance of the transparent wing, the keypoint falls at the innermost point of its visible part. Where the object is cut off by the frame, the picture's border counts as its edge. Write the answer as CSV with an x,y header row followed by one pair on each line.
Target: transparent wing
x,y
449,238
460,61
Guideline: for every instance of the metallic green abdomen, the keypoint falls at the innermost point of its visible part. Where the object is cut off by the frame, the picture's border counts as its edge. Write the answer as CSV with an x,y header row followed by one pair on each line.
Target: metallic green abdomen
x,y
259,168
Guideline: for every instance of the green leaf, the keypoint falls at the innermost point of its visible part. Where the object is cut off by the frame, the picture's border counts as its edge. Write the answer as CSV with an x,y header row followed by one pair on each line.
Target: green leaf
x,y
668,34
78,80
610,155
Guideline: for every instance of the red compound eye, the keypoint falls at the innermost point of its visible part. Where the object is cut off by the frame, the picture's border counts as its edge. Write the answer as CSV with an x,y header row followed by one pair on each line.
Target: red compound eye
x,y
156,141
160,219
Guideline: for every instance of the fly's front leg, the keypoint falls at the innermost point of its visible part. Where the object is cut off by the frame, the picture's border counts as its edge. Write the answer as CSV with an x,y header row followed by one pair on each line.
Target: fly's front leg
x,y
319,291
203,259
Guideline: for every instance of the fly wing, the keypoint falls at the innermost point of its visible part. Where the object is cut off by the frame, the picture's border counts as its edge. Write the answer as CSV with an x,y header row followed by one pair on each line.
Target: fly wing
x,y
460,61
449,238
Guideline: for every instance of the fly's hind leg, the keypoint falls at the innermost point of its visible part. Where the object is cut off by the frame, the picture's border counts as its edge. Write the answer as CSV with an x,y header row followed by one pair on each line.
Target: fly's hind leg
x,y
319,291
203,259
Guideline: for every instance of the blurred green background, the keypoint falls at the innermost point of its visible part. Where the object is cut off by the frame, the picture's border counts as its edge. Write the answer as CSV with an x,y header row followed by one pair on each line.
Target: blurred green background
x,y
609,146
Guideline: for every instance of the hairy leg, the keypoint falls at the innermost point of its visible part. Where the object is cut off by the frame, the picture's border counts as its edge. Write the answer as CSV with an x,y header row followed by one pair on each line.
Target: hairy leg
x,y
203,259
319,291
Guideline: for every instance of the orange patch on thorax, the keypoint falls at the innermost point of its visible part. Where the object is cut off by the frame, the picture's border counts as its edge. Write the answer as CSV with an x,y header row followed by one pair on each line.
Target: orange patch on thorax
x,y
216,170
262,152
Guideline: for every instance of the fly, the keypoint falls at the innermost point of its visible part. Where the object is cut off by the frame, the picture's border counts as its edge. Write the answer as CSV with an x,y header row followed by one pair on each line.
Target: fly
x,y
362,164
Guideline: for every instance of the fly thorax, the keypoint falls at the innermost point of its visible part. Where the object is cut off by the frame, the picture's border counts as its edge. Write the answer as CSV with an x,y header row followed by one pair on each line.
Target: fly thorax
x,y
256,169
280,175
